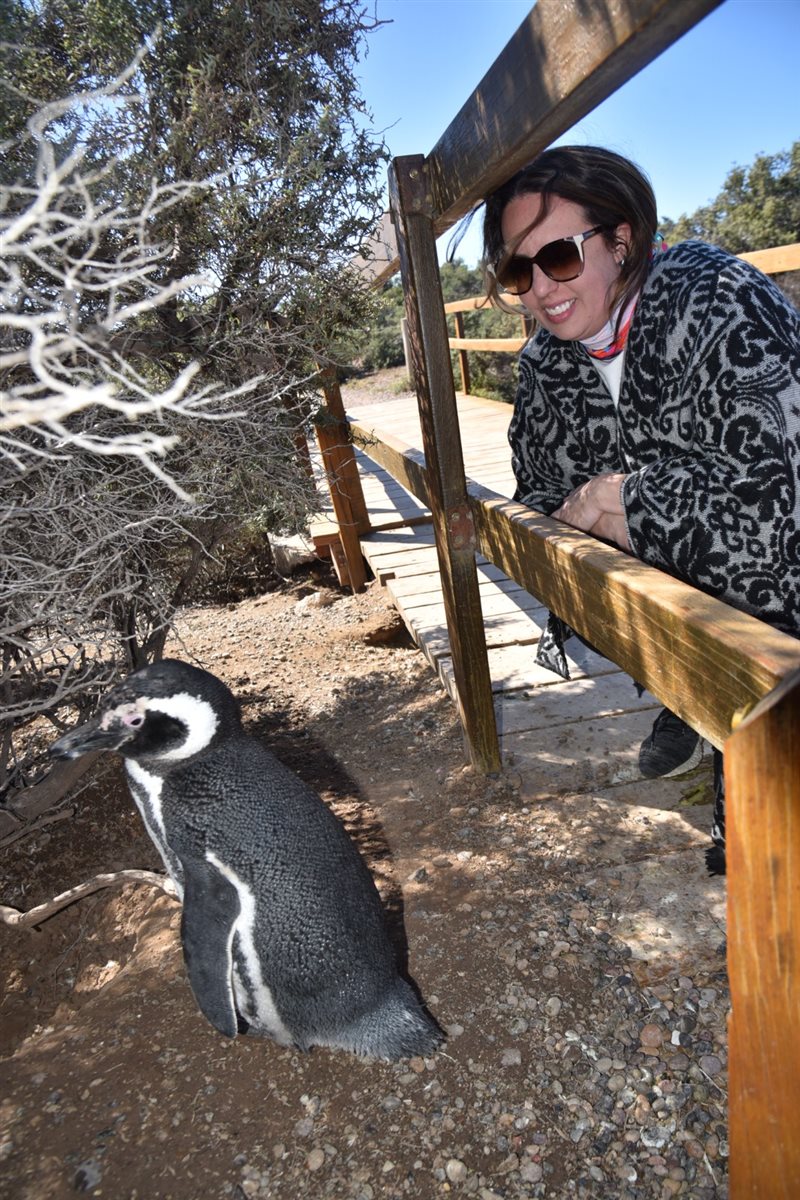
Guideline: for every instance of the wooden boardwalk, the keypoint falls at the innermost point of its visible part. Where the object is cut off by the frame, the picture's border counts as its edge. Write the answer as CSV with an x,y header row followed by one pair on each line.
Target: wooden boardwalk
x,y
576,740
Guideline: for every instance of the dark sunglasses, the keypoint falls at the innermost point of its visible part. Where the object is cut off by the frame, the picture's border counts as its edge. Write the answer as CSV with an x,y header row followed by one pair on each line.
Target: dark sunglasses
x,y
560,260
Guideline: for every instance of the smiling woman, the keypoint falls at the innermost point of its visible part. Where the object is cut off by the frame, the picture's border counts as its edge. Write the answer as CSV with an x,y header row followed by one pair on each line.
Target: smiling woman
x,y
659,402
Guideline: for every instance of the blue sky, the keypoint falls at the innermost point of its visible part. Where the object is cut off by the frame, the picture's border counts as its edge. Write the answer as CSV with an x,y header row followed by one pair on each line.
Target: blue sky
x,y
727,91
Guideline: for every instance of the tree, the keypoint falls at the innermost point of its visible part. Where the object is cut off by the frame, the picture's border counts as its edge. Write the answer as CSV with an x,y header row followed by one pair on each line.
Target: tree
x,y
758,207
492,375
174,234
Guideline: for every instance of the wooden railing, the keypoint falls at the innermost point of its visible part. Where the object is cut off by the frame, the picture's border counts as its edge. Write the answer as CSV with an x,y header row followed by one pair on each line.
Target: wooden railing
x,y
736,680
460,343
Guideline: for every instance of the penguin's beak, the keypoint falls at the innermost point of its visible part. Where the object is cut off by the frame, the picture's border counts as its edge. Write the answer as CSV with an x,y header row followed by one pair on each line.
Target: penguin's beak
x,y
90,737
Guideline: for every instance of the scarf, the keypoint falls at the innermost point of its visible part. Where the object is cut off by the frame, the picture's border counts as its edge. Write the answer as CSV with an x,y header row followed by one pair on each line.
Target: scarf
x,y
607,342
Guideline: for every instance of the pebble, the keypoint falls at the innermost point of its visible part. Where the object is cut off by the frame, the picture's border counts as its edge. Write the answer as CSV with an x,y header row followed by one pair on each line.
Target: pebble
x,y
651,1037
456,1170
511,1058
315,1159
710,1064
553,1006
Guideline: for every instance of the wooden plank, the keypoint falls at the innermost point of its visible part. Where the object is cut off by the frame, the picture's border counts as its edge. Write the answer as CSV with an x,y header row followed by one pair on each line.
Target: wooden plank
x,y
347,476
562,62
763,852
565,702
519,629
381,259
452,519
471,303
776,259
507,345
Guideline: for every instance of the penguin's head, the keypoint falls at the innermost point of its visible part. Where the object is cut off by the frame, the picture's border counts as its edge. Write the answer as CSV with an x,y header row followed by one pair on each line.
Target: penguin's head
x,y
164,713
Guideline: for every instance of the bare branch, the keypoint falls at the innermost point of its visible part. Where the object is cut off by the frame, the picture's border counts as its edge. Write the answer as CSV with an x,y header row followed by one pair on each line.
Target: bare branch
x,y
35,916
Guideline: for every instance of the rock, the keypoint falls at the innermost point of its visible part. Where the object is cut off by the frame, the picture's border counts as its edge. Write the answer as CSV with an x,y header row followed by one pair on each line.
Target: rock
x,y
531,1172
290,553
651,1037
710,1064
511,1058
315,1159
87,1176
315,600
456,1170
553,1006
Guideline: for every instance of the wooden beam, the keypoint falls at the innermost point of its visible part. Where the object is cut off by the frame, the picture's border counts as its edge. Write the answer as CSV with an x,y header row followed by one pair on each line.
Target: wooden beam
x,y
347,477
452,520
776,259
463,357
562,62
509,345
762,800
403,462
482,302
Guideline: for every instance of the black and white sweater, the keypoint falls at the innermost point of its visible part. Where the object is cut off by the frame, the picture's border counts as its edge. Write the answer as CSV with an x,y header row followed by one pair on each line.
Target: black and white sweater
x,y
707,430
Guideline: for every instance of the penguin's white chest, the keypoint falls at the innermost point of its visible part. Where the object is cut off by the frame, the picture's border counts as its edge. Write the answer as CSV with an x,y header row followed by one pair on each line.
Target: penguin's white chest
x,y
146,790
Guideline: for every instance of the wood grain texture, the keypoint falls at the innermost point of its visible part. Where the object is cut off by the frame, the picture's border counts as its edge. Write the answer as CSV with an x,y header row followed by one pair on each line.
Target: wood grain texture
x,y
506,345
671,638
441,441
329,439
762,769
775,259
562,62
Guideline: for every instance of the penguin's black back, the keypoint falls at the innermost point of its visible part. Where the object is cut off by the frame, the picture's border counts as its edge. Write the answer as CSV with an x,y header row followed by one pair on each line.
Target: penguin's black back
x,y
320,932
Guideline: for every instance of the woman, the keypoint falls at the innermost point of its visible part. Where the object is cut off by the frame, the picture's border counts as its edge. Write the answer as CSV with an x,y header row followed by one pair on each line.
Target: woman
x,y
659,401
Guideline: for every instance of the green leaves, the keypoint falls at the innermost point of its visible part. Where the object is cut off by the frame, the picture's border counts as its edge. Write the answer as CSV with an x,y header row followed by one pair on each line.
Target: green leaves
x,y
758,207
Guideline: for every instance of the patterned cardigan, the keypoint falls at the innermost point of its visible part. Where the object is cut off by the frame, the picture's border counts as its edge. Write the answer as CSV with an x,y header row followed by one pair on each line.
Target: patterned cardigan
x,y
707,430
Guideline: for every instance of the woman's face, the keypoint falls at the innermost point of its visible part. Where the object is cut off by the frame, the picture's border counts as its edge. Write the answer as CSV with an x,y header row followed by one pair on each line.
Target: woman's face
x,y
580,308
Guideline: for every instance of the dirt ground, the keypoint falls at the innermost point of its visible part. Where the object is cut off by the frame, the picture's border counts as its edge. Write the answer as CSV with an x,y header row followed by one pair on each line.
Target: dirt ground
x,y
562,1075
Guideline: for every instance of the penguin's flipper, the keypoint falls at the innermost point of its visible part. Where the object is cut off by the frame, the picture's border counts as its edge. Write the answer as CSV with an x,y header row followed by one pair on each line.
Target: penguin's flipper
x,y
210,910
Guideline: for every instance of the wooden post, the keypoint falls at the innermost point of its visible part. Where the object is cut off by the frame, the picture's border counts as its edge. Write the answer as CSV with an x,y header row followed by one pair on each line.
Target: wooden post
x,y
463,361
348,477
762,769
344,483
406,346
441,441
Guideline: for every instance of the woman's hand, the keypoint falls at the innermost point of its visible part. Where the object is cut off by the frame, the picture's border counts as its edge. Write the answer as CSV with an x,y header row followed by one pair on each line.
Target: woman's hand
x,y
596,508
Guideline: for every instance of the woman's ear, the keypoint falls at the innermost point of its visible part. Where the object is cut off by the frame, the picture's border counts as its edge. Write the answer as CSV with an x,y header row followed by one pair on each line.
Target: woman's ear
x,y
622,242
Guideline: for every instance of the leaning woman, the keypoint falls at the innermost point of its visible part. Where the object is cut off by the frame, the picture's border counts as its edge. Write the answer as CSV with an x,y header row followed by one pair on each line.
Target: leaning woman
x,y
659,401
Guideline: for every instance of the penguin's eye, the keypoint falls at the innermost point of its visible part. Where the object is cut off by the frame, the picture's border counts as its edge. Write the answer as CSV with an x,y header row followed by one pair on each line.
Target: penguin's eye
x,y
133,720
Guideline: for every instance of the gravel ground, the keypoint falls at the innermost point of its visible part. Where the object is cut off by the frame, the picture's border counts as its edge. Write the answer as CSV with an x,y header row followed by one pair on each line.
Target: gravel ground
x,y
564,1075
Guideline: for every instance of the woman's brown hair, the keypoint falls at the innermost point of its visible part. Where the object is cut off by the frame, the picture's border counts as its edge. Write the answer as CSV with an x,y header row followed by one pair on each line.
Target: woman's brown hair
x,y
609,188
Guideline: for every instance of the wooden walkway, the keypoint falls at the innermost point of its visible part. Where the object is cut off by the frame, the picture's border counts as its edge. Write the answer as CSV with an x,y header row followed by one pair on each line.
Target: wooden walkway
x,y
577,740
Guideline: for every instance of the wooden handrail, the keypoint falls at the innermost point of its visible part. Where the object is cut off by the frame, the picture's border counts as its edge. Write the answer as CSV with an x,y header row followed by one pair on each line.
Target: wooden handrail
x,y
775,260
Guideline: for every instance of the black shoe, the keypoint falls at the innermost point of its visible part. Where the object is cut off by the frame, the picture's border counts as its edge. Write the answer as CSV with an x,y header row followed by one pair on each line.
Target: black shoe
x,y
671,748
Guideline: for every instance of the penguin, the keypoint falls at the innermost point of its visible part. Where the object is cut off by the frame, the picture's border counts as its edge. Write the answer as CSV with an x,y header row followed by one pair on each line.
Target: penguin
x,y
283,929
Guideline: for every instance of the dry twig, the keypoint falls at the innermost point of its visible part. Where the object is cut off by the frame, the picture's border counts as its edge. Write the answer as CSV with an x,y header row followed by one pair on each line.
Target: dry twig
x,y
35,916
